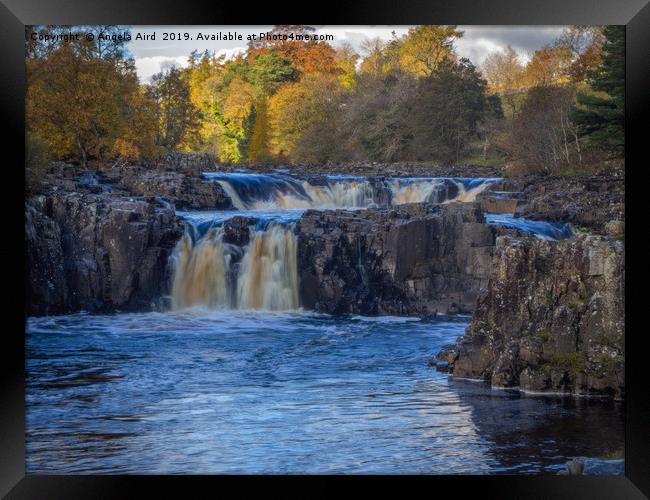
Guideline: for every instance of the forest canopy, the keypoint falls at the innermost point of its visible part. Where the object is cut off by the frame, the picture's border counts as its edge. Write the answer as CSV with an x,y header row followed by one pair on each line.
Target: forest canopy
x,y
294,99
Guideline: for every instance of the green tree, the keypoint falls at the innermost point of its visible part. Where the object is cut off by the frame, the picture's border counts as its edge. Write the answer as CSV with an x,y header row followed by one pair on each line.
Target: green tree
x,y
268,71
451,103
177,116
600,116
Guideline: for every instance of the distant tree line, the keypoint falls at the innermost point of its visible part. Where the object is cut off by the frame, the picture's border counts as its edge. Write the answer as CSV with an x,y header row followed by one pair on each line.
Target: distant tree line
x,y
408,99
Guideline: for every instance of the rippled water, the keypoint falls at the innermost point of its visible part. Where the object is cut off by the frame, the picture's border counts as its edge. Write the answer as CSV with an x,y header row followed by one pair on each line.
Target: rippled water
x,y
260,392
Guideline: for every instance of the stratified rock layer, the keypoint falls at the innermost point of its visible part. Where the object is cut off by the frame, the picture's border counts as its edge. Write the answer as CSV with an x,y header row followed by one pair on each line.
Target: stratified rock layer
x,y
551,318
186,192
97,253
409,259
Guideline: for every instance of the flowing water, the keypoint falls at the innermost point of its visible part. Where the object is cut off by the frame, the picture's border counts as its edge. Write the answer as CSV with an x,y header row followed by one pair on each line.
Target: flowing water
x,y
204,391
236,378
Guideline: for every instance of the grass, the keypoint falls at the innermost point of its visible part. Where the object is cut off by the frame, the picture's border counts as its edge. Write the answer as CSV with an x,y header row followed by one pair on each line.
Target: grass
x,y
573,362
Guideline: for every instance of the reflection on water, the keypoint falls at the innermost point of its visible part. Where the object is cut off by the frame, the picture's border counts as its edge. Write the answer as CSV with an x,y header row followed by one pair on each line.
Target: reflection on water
x,y
245,392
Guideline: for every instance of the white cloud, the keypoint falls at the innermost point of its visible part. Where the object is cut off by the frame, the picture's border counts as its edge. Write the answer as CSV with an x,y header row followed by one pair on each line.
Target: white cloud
x,y
148,66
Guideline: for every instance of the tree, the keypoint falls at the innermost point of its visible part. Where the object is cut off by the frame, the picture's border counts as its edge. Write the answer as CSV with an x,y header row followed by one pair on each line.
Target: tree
x,y
303,118
451,103
259,145
296,43
346,61
84,103
601,117
505,76
268,71
585,45
178,119
377,118
548,66
373,62
425,48
542,137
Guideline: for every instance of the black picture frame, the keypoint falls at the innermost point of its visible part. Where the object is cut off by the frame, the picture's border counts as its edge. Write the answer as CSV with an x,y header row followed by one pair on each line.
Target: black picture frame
x,y
15,14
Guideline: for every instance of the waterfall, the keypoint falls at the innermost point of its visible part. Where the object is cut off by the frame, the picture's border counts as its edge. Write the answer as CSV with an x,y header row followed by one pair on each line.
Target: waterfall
x,y
215,274
268,277
280,191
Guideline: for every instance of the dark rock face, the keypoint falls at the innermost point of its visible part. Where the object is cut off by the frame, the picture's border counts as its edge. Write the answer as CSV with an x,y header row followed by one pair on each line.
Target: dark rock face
x,y
551,318
411,259
97,253
186,192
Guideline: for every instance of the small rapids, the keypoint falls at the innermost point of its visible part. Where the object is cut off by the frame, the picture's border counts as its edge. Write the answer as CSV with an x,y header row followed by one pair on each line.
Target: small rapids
x,y
279,191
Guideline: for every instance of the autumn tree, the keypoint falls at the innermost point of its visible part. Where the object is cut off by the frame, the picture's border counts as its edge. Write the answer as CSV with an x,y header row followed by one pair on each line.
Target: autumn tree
x,y
346,61
295,43
548,66
585,44
505,76
373,60
85,103
425,48
303,118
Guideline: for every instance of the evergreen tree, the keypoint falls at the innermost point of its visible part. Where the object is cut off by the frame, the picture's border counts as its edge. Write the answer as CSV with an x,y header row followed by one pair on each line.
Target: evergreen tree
x,y
601,118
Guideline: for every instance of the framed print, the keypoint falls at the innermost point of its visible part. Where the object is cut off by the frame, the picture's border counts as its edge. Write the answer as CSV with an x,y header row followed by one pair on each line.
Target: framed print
x,y
389,246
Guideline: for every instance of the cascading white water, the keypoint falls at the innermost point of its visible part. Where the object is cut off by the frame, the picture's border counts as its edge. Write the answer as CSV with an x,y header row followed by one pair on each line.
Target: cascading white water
x,y
200,272
341,194
206,274
274,191
268,277
412,192
469,195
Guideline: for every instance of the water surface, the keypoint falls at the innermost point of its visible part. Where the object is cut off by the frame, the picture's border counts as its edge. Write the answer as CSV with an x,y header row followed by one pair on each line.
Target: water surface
x,y
260,392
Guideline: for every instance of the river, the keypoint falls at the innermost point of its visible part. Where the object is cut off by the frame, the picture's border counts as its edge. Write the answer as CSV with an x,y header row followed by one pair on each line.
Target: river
x,y
237,378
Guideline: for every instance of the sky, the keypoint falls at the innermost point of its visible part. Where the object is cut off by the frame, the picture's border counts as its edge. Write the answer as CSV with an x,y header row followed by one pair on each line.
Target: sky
x,y
478,41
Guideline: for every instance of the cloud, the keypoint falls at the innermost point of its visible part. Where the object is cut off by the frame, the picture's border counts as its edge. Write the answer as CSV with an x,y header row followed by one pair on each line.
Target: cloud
x,y
148,66
476,44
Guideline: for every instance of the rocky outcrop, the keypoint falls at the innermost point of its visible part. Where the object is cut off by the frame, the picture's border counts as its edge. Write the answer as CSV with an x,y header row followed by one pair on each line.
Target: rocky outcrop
x,y
186,192
97,253
588,202
500,202
409,259
550,319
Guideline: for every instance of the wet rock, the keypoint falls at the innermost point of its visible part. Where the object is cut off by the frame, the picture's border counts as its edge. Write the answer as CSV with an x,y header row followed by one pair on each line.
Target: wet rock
x,y
184,191
97,253
589,202
551,318
237,230
500,202
409,259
